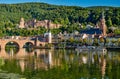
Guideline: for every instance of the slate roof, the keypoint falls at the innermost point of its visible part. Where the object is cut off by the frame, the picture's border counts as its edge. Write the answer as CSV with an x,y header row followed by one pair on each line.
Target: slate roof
x,y
91,31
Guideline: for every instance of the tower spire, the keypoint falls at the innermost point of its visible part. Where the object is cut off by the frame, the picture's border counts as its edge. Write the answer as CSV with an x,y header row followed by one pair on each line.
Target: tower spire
x,y
103,16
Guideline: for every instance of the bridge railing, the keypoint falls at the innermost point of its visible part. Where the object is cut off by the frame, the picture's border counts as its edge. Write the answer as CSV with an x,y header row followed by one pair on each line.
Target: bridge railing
x,y
15,38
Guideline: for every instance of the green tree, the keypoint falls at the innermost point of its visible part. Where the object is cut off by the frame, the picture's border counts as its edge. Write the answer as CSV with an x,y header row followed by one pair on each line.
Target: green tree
x,y
95,42
109,22
71,40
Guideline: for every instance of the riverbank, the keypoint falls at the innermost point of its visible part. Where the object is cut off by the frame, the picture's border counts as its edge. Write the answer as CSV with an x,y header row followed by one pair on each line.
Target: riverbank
x,y
37,47
113,48
74,47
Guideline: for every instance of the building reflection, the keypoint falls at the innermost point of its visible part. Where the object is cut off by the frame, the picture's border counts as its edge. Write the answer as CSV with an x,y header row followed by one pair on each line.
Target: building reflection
x,y
34,59
103,66
22,64
39,59
96,58
46,59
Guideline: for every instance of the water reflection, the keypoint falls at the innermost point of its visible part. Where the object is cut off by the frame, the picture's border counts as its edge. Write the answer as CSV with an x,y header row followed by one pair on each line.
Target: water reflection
x,y
93,64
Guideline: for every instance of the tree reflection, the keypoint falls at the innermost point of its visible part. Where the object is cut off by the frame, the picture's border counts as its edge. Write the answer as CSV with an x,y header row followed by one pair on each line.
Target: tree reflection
x,y
64,64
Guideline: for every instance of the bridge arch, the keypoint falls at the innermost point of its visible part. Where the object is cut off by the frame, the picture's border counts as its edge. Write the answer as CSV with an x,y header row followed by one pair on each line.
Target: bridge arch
x,y
12,46
28,44
12,43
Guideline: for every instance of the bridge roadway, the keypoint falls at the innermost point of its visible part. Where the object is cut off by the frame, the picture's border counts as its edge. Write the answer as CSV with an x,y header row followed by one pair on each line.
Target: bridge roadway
x,y
20,42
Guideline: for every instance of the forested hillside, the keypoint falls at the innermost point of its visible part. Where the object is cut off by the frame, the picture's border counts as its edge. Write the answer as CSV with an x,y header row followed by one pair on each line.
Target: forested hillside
x,y
10,14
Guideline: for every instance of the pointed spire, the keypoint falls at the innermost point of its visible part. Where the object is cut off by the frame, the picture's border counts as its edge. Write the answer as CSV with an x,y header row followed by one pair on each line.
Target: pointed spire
x,y
103,16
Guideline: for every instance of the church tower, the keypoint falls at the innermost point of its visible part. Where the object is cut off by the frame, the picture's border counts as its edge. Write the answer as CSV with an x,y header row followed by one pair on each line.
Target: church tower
x,y
103,26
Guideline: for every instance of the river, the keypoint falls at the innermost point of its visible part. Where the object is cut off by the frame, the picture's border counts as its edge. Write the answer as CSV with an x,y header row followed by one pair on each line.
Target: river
x,y
59,64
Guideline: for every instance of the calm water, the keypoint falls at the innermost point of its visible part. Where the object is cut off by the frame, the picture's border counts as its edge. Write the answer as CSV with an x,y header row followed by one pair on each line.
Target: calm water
x,y
59,64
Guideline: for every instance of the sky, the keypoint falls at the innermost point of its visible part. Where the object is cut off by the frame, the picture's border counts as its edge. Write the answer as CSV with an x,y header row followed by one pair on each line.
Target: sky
x,y
82,3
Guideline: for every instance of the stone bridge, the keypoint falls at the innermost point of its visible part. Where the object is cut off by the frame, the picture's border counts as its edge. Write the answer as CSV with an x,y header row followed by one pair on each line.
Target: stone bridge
x,y
20,42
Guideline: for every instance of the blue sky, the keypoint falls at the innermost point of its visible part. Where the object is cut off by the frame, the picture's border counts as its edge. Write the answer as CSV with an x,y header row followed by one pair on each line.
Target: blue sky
x,y
83,3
